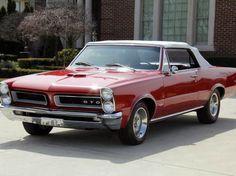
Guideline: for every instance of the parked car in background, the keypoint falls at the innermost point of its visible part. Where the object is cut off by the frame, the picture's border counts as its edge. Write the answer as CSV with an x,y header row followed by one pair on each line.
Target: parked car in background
x,y
120,85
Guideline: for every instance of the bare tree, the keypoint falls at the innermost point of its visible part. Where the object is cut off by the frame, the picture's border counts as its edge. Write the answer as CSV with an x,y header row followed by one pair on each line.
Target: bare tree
x,y
63,20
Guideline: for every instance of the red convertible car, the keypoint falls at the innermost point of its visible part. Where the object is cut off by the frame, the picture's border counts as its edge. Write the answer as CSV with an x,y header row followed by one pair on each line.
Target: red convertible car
x,y
119,85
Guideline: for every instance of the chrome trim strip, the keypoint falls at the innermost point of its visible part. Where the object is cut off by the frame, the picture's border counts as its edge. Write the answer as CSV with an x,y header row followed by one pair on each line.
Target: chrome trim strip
x,y
61,113
16,99
59,104
173,115
109,121
77,96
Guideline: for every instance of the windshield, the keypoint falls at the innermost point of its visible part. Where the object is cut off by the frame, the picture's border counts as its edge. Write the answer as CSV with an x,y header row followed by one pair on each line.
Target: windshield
x,y
136,57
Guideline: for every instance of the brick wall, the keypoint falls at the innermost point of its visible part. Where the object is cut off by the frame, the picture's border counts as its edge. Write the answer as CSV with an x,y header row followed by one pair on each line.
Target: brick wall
x,y
225,28
116,20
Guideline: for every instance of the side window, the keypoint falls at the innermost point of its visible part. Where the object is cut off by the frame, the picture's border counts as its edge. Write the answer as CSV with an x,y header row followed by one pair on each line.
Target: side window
x,y
182,58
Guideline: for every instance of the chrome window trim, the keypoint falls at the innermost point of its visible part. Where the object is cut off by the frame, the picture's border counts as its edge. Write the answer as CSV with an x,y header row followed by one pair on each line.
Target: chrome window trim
x,y
121,44
59,104
16,99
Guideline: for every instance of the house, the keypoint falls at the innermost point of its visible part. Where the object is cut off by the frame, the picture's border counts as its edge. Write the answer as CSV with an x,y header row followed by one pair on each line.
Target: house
x,y
210,25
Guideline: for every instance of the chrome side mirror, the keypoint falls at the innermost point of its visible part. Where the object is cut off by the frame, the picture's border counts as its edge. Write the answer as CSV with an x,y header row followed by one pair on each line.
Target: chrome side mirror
x,y
174,69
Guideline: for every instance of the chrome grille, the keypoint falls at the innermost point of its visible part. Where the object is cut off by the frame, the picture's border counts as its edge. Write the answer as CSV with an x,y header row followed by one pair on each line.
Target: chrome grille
x,y
77,101
29,97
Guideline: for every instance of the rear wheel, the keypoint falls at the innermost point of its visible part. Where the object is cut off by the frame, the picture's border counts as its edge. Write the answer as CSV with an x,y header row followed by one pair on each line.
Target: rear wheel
x,y
210,113
135,131
37,130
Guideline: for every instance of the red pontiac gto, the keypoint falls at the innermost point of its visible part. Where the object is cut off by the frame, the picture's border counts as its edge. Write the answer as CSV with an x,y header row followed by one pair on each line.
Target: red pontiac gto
x,y
119,85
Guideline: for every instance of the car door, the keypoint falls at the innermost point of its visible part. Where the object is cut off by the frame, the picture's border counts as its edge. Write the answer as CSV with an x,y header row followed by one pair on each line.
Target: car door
x,y
180,93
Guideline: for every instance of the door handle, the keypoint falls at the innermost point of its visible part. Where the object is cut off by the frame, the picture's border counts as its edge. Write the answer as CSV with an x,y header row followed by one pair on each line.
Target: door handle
x,y
194,76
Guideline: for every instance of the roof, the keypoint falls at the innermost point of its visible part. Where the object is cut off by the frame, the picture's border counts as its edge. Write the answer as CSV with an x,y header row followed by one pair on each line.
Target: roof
x,y
166,44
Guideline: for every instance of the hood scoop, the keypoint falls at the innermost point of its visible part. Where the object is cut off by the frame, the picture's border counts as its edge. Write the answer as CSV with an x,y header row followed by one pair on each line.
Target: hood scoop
x,y
81,75
77,74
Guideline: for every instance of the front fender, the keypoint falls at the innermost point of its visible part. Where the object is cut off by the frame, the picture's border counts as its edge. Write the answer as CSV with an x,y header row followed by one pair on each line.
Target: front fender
x,y
127,111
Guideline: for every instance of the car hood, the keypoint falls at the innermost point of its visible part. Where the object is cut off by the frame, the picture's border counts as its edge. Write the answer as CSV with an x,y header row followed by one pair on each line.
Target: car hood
x,y
74,80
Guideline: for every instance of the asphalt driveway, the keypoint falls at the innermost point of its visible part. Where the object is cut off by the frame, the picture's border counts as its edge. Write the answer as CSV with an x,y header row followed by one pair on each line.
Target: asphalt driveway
x,y
179,146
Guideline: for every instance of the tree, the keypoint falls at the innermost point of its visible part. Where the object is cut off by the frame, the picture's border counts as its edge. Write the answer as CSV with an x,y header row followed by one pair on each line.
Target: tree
x,y
8,26
63,20
11,6
28,8
3,12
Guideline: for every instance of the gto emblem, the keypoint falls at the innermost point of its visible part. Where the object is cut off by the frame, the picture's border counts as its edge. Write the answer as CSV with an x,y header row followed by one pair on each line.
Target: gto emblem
x,y
91,102
85,102
98,102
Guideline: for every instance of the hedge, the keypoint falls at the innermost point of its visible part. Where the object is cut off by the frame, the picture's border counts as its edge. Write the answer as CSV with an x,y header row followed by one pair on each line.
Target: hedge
x,y
65,56
45,67
222,61
10,47
10,73
35,62
8,57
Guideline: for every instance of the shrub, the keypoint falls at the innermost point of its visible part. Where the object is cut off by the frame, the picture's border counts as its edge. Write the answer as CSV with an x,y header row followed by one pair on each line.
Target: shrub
x,y
65,56
35,62
10,47
8,64
10,73
24,54
28,8
222,61
45,67
3,12
8,57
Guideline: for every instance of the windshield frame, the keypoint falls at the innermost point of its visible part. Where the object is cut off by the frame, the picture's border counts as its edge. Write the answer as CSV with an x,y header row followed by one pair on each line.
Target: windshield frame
x,y
71,65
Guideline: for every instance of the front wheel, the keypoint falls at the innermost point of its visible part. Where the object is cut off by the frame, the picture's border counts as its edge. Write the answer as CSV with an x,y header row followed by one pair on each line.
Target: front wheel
x,y
135,131
209,114
37,130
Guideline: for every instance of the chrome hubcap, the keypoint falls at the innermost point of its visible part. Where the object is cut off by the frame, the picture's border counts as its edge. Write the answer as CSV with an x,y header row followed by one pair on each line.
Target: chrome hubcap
x,y
214,104
140,122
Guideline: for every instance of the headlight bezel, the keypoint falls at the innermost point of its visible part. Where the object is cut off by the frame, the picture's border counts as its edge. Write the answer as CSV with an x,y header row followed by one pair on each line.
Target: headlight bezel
x,y
5,97
4,89
107,109
6,100
105,100
106,94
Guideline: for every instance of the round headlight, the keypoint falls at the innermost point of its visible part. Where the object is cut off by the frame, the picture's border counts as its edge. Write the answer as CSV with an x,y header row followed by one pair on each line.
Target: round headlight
x,y
4,88
108,107
107,94
6,100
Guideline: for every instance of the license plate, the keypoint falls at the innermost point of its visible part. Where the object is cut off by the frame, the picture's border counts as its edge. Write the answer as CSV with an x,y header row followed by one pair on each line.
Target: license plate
x,y
52,122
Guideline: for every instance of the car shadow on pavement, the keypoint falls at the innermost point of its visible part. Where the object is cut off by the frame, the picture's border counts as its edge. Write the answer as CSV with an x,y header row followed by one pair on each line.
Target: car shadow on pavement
x,y
103,145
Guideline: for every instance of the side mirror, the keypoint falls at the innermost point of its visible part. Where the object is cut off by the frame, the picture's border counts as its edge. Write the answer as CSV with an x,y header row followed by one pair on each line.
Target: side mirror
x,y
174,69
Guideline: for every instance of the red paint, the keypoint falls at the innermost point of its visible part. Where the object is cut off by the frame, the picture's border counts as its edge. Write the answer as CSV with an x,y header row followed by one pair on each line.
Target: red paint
x,y
171,94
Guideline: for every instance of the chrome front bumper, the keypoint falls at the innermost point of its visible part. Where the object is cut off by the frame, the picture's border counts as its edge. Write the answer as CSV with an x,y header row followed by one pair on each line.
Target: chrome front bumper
x,y
78,120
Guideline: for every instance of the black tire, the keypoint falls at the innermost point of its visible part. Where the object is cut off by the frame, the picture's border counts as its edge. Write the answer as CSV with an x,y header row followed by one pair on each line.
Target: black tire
x,y
128,135
37,130
206,115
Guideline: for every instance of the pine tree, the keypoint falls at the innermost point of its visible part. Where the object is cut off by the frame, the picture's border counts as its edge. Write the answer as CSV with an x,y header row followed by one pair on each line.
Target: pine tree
x,y
3,12
28,8
11,6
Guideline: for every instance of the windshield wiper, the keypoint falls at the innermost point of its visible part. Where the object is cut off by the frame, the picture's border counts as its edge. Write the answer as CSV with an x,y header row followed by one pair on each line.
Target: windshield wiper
x,y
83,64
119,65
